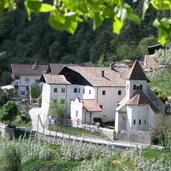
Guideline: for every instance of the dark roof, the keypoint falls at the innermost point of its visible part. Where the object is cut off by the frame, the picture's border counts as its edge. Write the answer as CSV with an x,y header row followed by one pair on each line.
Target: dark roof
x,y
28,69
99,76
55,69
91,105
139,98
136,72
54,79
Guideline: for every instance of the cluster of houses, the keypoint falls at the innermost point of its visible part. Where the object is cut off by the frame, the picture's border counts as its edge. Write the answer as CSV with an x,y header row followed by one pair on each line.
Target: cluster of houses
x,y
106,94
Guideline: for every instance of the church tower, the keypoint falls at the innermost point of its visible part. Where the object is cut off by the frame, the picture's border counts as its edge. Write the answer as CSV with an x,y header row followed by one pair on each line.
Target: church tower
x,y
136,80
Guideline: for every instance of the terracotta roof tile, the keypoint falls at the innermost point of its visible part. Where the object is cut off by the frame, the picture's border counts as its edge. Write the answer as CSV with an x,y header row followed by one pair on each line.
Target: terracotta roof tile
x,y
139,98
55,79
136,72
28,69
91,105
100,76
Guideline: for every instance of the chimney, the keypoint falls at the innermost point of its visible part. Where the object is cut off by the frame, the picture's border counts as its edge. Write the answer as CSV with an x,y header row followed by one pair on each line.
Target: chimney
x,y
102,73
111,65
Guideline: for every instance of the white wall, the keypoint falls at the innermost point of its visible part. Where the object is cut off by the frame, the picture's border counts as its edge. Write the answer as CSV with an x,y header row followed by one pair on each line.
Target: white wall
x,y
139,114
76,112
110,100
80,116
26,81
46,97
130,84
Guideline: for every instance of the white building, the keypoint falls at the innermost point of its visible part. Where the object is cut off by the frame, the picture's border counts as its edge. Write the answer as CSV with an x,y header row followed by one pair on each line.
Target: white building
x,y
101,85
137,111
24,75
104,85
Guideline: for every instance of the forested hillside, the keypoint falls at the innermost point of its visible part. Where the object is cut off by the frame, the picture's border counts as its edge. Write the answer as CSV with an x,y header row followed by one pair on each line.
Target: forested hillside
x,y
23,41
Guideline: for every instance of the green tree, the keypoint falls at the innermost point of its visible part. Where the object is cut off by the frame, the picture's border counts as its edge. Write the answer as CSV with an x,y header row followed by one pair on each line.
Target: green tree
x,y
6,77
162,132
57,110
35,90
3,98
9,111
101,61
11,160
144,43
65,15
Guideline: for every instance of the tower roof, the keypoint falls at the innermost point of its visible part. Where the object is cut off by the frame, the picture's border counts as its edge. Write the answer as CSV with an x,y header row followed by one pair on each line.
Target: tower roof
x,y
136,72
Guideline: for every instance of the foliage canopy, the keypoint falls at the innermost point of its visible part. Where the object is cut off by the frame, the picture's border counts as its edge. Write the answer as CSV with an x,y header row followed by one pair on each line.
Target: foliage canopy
x,y
9,111
66,14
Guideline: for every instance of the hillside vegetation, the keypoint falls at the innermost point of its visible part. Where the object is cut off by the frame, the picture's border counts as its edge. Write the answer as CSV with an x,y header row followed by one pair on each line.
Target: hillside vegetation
x,y
65,155
23,41
162,82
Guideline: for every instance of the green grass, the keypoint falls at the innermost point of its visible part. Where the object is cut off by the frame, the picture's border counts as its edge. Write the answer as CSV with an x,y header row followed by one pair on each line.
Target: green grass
x,y
57,162
157,154
73,131
162,82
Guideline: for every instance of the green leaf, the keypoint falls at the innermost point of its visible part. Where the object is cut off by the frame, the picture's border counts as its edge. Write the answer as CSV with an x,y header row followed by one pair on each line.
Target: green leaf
x,y
69,25
145,7
3,5
37,6
97,21
162,37
134,18
161,4
27,10
117,25
55,23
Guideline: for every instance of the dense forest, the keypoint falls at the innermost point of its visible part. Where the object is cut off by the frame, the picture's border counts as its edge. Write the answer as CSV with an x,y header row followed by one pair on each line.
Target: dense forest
x,y
23,41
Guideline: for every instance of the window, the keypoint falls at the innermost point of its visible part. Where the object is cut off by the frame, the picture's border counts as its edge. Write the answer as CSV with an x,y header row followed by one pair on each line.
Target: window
x,y
137,87
134,87
89,91
101,106
144,122
54,100
118,103
79,90
134,122
62,90
75,90
22,93
55,90
103,92
139,121
62,101
83,90
76,113
140,87
119,92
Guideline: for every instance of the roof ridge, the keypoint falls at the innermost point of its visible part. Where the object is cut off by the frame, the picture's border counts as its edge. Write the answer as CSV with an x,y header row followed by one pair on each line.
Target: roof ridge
x,y
136,72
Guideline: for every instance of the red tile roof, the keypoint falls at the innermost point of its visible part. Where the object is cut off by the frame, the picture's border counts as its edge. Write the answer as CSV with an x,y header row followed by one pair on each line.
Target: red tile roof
x,y
91,105
136,72
28,69
138,98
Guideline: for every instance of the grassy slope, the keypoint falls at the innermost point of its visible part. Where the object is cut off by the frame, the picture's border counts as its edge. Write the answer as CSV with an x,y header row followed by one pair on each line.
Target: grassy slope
x,y
57,163
162,82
